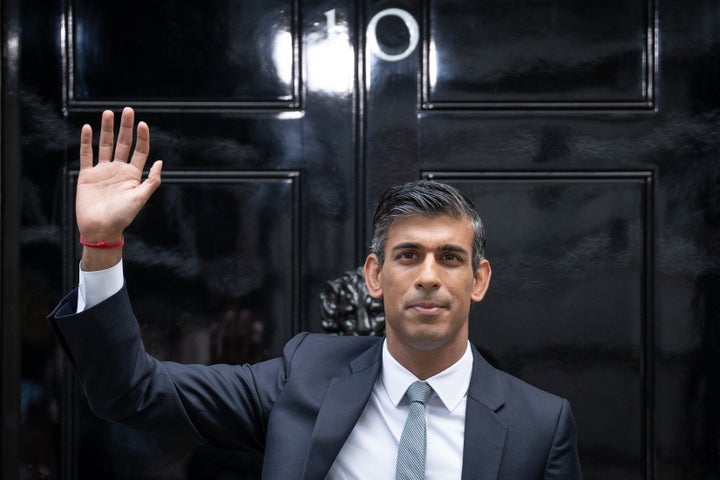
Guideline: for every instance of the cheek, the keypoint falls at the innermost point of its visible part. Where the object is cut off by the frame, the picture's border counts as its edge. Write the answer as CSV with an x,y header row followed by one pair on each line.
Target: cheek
x,y
462,292
390,287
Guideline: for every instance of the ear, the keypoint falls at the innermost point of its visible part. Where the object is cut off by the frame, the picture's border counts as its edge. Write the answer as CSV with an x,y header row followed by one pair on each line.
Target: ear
x,y
372,271
481,281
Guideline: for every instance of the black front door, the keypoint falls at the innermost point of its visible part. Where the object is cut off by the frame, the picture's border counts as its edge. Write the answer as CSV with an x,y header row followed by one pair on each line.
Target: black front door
x,y
585,132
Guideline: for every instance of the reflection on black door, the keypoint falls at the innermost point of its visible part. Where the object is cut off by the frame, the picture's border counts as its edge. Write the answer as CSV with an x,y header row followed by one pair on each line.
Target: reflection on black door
x,y
585,133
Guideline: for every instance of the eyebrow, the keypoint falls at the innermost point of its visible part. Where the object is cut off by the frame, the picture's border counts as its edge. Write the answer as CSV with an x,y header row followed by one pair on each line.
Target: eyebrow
x,y
448,247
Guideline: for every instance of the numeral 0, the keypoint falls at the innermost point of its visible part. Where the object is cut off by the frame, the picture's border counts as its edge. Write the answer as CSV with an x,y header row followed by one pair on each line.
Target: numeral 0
x,y
410,23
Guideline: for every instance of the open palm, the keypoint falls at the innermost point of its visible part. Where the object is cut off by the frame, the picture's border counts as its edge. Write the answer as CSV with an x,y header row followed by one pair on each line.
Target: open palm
x,y
111,193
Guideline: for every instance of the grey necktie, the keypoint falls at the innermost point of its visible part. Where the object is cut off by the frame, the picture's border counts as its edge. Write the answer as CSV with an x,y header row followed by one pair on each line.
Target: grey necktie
x,y
411,451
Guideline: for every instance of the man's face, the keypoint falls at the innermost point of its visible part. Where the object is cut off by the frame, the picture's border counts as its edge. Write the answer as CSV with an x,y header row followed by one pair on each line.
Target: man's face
x,y
427,283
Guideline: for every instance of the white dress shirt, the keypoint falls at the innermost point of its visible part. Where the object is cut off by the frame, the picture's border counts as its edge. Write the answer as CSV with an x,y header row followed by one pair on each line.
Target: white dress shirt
x,y
370,451
94,287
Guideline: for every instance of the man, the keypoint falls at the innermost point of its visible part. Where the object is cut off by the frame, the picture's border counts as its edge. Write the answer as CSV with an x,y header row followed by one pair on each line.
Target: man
x,y
330,407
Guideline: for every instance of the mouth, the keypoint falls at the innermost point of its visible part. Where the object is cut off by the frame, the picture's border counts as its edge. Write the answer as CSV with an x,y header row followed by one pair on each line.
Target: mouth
x,y
427,308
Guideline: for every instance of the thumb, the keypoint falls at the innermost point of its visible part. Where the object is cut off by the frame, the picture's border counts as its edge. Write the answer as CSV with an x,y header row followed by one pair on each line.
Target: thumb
x,y
153,180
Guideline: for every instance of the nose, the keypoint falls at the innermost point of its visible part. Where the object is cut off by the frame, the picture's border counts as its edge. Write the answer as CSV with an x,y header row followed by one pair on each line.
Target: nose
x,y
428,276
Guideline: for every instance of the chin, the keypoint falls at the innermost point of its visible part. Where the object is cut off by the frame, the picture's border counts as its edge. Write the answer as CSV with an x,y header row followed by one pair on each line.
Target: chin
x,y
427,339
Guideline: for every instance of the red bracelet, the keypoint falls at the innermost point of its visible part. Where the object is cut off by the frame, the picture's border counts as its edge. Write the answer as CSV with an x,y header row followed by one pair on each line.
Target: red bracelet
x,y
103,245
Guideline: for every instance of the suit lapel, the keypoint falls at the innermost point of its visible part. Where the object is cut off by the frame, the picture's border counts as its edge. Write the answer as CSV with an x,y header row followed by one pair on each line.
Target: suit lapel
x,y
343,403
484,432
347,395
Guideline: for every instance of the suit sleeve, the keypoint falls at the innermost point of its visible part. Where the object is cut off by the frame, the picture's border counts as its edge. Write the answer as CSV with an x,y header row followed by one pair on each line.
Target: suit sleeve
x,y
221,405
563,462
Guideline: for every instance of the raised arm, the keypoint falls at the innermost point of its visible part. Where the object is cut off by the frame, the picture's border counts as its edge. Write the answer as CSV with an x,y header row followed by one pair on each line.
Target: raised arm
x,y
111,193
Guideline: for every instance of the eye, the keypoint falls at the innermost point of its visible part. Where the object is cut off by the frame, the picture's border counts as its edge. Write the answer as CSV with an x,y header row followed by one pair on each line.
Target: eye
x,y
406,255
452,258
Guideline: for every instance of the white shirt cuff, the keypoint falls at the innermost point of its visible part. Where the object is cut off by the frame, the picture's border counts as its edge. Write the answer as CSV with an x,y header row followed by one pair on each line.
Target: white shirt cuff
x,y
95,287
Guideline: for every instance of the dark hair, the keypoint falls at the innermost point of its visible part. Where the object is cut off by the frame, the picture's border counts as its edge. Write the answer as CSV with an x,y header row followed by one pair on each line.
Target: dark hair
x,y
430,199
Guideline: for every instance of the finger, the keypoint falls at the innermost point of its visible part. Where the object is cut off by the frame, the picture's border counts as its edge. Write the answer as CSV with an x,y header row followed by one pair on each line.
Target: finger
x,y
105,145
153,180
124,140
142,146
86,152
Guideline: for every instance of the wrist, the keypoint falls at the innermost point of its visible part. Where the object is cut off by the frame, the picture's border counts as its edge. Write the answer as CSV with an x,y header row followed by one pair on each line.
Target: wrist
x,y
101,252
94,259
102,244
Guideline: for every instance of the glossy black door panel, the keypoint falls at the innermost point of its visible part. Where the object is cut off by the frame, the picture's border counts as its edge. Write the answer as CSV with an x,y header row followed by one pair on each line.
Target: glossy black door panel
x,y
213,52
539,54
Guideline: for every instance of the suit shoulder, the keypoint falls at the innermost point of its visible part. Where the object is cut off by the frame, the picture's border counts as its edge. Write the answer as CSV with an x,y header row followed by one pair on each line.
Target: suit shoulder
x,y
494,387
317,350
521,396
519,385
327,342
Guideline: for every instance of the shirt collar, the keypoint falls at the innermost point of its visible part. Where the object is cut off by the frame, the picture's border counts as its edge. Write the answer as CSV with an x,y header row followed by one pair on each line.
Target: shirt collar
x,y
450,385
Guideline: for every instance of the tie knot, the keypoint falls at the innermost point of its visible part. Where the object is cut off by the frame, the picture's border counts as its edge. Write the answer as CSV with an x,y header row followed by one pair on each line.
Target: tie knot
x,y
419,392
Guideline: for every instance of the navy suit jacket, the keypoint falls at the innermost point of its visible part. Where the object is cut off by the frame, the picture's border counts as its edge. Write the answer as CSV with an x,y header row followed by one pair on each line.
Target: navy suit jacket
x,y
300,408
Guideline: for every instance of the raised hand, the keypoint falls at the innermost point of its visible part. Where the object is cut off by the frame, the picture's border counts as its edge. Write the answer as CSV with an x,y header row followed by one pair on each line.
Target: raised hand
x,y
111,193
